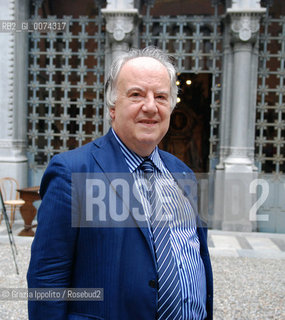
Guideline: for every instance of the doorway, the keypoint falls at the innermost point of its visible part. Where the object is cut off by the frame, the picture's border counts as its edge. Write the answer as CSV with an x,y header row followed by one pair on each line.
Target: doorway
x,y
189,131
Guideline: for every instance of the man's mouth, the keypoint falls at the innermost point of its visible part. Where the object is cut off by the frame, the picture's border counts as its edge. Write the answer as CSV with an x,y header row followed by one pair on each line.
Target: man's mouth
x,y
148,121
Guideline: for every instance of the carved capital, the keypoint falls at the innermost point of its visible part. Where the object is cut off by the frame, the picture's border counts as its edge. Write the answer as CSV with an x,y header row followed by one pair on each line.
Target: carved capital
x,y
245,26
119,23
244,19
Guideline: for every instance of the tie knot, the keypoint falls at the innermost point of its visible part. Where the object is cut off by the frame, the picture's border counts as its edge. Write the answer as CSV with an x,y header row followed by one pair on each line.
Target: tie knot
x,y
147,166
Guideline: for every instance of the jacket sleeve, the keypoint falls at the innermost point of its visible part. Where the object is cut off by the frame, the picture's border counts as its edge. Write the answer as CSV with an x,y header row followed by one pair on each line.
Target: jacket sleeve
x,y
52,250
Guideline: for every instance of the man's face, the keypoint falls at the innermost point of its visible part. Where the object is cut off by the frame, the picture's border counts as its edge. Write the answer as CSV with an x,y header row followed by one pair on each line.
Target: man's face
x,y
142,111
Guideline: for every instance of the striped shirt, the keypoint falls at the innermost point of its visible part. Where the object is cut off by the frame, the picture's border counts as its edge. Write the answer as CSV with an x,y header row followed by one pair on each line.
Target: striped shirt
x,y
183,236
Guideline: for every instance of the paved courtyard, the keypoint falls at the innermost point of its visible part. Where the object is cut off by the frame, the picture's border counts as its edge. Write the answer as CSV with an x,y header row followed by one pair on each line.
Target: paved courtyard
x,y
249,275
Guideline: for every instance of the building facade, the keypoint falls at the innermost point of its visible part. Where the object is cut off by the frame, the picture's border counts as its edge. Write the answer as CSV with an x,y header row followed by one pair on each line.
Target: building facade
x,y
229,123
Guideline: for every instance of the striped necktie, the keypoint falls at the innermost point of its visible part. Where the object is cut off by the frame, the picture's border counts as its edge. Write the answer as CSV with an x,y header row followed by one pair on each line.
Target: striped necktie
x,y
169,289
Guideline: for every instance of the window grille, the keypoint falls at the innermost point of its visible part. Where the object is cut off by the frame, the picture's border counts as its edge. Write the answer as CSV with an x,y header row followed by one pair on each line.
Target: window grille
x,y
66,88
196,44
270,115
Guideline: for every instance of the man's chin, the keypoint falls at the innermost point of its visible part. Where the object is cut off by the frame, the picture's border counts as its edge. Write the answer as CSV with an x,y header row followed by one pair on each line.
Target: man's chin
x,y
149,142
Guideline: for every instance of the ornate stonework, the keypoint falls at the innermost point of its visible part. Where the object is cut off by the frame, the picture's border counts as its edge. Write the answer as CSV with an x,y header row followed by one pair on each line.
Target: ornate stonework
x,y
245,17
120,23
120,4
10,60
245,26
120,19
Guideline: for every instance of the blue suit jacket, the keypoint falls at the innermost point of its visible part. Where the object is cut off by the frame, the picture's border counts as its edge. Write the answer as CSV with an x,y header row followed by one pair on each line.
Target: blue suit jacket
x,y
118,259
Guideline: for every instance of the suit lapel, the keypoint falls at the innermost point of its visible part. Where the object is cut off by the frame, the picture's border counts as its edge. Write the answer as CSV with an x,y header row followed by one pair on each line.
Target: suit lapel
x,y
110,157
112,161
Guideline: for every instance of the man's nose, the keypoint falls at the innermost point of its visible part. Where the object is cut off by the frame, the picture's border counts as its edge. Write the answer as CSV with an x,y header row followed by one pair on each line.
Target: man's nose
x,y
150,104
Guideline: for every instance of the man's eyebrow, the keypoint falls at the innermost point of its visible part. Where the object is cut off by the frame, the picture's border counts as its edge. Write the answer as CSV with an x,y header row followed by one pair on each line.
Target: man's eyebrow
x,y
162,92
137,89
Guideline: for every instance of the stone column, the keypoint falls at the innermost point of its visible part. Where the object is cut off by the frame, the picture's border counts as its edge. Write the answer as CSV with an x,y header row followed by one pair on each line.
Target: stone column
x,y
13,92
121,21
244,28
236,170
226,96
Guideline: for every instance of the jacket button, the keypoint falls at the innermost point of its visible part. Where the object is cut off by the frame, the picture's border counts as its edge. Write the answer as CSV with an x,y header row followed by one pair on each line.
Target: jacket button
x,y
152,283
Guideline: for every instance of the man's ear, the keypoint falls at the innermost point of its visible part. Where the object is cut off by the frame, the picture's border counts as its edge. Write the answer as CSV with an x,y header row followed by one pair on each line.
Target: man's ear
x,y
112,113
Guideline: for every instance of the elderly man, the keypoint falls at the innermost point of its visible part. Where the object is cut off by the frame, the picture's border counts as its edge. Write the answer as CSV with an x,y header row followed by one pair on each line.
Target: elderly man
x,y
152,265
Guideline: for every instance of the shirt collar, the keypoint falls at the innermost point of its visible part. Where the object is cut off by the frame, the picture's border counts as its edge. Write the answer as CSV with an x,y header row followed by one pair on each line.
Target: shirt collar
x,y
134,160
